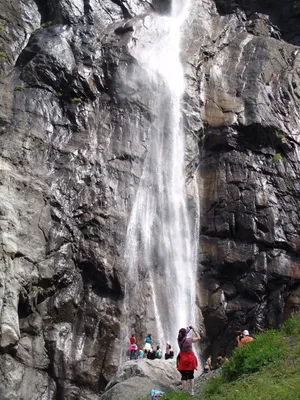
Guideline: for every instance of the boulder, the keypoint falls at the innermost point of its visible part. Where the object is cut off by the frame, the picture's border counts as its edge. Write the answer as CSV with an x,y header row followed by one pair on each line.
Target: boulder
x,y
138,378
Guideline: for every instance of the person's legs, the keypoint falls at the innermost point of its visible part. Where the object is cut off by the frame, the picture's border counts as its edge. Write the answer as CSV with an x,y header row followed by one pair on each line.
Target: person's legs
x,y
191,381
184,379
192,385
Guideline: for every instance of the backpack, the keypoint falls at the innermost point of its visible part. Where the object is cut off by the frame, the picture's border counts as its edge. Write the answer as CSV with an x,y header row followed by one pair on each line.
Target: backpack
x,y
156,394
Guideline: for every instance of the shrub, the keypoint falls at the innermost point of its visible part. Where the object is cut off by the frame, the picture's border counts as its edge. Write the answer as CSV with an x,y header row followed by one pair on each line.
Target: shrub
x,y
76,100
277,157
49,23
296,7
35,290
292,326
266,348
213,386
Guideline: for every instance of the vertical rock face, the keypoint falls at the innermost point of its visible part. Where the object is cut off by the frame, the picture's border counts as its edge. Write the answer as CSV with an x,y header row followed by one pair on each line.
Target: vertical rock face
x,y
243,76
70,162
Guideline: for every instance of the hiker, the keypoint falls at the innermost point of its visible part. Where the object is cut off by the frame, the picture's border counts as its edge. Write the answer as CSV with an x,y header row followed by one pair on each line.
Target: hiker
x,y
132,339
220,361
169,352
152,354
133,354
148,342
206,369
208,362
141,354
158,353
244,338
186,360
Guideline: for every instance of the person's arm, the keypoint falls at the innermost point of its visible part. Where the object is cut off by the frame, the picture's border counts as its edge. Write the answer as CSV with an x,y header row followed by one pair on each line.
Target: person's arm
x,y
197,338
239,341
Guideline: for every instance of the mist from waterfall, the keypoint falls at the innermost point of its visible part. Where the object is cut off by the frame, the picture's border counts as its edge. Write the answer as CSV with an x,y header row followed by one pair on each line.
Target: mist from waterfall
x,y
160,244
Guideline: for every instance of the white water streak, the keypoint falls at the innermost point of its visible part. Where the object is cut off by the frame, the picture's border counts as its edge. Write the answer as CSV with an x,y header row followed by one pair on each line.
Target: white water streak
x,y
159,243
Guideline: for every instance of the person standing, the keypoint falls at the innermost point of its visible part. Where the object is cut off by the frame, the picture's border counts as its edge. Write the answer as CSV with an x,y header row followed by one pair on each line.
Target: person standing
x,y
132,339
187,362
133,347
245,338
133,351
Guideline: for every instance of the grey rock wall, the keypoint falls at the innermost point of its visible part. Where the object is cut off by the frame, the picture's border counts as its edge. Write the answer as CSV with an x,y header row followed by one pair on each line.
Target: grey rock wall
x,y
70,162
245,83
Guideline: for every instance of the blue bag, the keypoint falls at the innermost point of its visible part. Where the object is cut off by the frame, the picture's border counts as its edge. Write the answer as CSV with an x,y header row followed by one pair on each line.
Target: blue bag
x,y
156,394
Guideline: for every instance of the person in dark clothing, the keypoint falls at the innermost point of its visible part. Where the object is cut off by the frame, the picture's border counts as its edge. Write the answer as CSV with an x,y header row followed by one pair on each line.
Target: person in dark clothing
x,y
169,352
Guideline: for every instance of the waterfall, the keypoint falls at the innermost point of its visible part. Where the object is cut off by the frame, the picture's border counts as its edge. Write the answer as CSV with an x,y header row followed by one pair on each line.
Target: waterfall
x,y
160,242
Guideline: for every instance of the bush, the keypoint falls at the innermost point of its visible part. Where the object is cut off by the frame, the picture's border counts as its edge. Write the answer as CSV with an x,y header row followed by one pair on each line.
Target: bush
x,y
76,100
213,386
292,326
266,348
277,157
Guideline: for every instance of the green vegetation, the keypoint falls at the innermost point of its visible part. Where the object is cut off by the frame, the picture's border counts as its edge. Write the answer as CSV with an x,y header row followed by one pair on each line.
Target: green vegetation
x,y
1,28
34,290
277,157
267,347
266,369
49,23
59,94
296,7
76,100
280,135
3,54
19,87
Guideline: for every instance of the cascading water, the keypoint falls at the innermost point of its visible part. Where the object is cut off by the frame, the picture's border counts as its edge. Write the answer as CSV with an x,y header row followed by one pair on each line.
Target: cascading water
x,y
160,243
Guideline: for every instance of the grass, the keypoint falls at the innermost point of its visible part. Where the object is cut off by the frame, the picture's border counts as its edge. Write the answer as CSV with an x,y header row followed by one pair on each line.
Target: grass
x,y
266,369
76,100
49,23
277,157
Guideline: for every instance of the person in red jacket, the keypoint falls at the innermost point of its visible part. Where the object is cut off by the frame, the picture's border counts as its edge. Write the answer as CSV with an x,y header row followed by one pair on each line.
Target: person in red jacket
x,y
187,362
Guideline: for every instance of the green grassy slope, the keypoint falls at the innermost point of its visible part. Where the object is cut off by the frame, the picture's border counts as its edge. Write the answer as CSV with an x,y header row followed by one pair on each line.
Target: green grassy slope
x,y
266,369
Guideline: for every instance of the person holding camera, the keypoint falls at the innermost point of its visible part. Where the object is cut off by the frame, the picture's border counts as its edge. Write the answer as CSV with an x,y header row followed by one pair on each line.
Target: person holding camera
x,y
244,338
186,360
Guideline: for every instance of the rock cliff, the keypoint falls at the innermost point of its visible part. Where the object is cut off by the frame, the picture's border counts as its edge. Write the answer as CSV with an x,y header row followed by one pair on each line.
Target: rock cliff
x,y
70,163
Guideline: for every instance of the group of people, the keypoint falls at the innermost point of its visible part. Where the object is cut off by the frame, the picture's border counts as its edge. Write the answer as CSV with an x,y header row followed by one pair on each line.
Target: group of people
x,y
186,361
148,351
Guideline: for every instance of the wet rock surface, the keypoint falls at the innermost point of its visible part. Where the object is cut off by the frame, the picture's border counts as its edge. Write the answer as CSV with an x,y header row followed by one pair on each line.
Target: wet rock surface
x,y
71,159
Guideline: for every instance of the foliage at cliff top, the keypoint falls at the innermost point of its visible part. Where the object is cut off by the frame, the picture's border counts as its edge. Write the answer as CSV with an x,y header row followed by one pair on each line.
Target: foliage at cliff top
x,y
266,369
